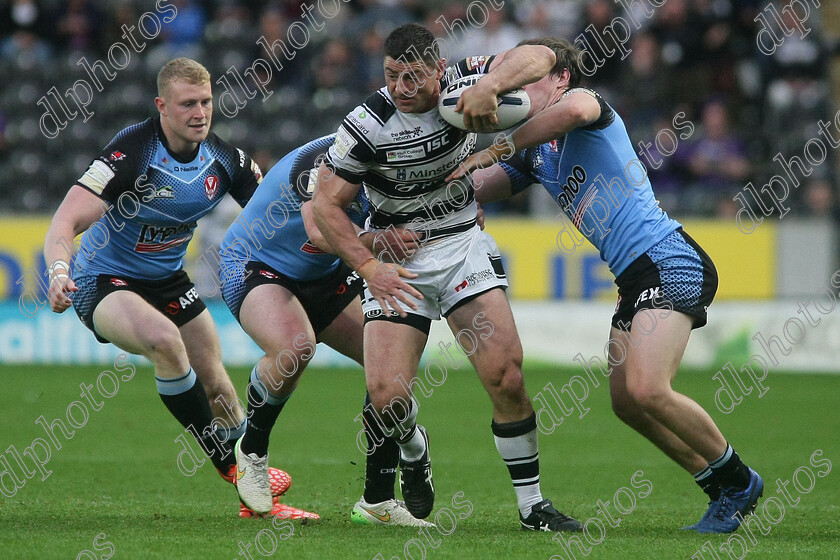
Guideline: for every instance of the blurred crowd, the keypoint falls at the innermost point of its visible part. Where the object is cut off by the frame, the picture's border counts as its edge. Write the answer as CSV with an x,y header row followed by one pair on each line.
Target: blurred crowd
x,y
707,109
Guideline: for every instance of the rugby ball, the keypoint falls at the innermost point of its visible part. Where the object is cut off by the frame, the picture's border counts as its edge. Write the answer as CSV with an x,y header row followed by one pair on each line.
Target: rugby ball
x,y
513,105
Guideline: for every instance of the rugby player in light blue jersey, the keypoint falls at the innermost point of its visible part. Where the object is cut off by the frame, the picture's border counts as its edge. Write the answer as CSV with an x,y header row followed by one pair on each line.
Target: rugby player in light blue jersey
x,y
577,147
288,294
138,204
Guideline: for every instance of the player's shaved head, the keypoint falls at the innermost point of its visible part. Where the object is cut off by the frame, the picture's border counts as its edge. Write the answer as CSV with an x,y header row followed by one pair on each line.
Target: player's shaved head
x,y
181,69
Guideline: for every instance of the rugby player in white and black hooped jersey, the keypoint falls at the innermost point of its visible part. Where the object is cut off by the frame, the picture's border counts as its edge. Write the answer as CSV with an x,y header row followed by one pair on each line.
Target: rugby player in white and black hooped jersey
x,y
137,205
398,147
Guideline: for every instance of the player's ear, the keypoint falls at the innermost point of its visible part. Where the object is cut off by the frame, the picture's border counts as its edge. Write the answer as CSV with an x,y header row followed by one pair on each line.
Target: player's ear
x,y
565,77
440,68
160,103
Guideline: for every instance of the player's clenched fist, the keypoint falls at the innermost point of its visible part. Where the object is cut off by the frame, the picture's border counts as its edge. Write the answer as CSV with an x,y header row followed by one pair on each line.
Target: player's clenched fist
x,y
60,286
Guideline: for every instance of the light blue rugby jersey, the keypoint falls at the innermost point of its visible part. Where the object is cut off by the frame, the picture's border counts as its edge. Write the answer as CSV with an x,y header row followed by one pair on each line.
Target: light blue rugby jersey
x,y
156,200
595,176
270,228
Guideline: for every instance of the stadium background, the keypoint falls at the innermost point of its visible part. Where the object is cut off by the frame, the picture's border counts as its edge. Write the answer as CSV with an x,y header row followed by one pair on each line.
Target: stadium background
x,y
690,61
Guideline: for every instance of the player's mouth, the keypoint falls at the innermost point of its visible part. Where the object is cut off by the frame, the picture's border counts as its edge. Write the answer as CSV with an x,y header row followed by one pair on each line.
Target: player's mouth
x,y
198,127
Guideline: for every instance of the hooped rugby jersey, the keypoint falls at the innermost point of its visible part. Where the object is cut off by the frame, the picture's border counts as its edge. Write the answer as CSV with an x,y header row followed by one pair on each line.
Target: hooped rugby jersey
x,y
155,200
402,160
270,229
595,176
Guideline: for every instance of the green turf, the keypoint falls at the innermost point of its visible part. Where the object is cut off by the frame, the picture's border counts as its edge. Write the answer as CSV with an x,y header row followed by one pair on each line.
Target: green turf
x,y
117,475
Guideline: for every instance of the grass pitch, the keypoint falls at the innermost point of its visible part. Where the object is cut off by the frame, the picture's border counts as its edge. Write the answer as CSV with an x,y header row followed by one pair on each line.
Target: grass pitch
x,y
115,490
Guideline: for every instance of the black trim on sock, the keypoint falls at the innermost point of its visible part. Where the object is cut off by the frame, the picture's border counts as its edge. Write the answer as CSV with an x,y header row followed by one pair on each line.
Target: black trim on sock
x,y
733,473
515,429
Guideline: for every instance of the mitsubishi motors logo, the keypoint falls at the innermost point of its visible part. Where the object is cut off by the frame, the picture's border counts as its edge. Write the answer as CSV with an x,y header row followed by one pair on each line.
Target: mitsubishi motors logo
x,y
211,186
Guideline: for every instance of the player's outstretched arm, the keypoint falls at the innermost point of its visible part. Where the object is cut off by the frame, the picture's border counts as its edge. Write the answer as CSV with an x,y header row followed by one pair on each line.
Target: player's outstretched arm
x,y
509,70
383,279
79,210
577,109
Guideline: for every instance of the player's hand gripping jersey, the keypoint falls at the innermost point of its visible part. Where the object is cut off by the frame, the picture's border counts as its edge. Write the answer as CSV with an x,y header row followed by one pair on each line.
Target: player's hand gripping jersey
x,y
595,176
155,200
403,158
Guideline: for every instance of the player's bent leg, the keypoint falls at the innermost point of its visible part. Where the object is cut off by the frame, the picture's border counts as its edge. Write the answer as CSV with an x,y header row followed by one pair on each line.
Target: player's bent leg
x,y
649,371
273,317
392,355
496,353
651,366
629,412
377,505
149,333
204,350
497,357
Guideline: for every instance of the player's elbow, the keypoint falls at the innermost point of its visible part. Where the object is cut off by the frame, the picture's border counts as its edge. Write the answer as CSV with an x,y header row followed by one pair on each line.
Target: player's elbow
x,y
545,55
317,238
579,115
541,59
320,205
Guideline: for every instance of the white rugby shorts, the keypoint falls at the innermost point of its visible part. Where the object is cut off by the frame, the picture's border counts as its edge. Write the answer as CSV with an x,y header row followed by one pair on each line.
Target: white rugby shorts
x,y
448,272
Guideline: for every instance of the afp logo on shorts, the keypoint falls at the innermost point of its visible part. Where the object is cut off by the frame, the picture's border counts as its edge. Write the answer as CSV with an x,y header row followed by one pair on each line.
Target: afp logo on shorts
x,y
183,302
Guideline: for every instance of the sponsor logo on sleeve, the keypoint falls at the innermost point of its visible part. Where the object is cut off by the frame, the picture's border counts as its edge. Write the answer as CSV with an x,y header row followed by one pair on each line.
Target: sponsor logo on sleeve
x,y
344,142
97,177
474,62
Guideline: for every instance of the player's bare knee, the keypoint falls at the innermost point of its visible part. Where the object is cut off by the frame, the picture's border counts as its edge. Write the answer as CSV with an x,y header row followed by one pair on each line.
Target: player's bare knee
x,y
506,381
288,363
381,396
648,396
163,343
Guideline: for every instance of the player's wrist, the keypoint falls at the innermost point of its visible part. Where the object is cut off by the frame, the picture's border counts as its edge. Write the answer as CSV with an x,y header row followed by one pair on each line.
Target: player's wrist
x,y
58,267
368,268
489,82
367,239
503,147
